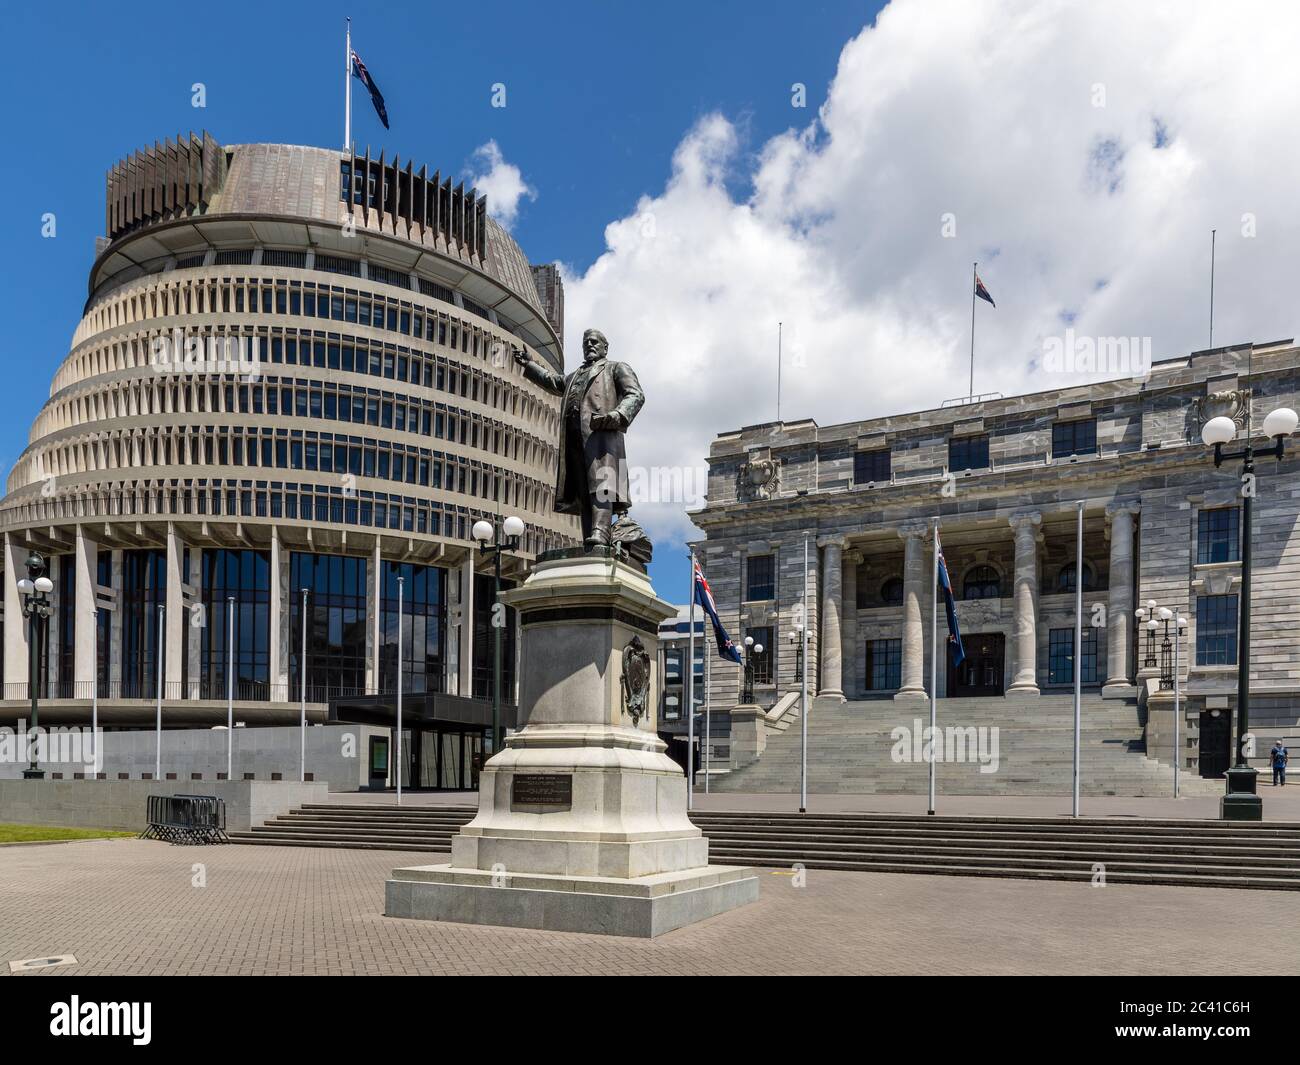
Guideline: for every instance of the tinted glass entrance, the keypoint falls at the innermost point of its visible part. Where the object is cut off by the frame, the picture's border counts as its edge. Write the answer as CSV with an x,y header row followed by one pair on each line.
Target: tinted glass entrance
x,y
981,672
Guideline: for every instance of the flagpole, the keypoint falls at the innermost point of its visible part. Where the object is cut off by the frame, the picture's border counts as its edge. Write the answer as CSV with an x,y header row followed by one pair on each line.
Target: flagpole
x,y
778,371
1078,649
934,658
974,275
688,682
708,719
347,91
1212,236
803,691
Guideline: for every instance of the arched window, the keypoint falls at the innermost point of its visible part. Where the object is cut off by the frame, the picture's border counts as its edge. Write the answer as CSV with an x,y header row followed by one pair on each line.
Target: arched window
x,y
982,582
891,592
1065,578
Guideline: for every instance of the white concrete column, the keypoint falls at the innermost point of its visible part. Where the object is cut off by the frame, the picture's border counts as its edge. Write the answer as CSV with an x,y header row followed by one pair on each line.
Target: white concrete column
x,y
174,623
374,584
913,637
851,653
86,559
832,683
278,671
16,663
1120,605
1025,679
466,635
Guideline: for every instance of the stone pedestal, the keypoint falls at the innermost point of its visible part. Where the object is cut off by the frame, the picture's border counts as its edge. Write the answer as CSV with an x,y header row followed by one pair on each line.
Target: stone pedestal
x,y
748,735
582,822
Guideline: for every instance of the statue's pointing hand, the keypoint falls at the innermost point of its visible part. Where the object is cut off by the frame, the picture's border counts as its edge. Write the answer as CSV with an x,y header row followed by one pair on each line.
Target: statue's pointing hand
x,y
521,356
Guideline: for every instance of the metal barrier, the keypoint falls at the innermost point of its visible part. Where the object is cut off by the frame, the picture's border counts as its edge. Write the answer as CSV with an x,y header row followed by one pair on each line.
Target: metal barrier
x,y
186,819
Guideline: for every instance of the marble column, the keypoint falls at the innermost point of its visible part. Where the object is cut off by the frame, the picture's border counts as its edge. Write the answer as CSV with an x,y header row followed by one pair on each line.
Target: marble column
x,y
832,683
1025,594
466,634
84,615
1120,605
16,663
851,654
913,640
175,620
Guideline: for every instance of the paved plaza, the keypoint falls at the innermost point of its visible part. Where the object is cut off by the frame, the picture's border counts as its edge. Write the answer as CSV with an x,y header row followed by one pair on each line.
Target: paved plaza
x,y
131,907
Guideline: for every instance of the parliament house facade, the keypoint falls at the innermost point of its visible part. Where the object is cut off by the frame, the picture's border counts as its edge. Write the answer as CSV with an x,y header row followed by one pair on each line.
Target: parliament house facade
x,y
290,387
1004,477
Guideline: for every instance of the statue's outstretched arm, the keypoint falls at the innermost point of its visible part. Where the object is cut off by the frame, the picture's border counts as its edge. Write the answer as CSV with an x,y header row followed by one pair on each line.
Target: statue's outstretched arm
x,y
539,374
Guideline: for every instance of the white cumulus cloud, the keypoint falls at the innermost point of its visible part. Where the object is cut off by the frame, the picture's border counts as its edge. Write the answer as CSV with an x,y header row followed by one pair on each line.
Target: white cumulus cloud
x,y
1083,153
503,183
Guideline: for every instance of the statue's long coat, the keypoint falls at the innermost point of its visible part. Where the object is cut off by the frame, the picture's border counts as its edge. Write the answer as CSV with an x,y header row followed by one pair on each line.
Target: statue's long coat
x,y
600,463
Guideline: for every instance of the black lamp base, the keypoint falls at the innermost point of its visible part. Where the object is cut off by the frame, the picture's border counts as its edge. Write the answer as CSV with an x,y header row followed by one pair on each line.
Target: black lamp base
x,y
33,774
1242,801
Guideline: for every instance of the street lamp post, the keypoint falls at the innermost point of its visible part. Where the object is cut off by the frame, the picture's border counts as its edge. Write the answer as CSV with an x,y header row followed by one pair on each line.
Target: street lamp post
x,y
494,538
796,641
751,649
1172,628
35,589
1242,802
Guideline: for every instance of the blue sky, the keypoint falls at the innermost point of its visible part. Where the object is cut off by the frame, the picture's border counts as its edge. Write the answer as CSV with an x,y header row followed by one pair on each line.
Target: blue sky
x,y
598,96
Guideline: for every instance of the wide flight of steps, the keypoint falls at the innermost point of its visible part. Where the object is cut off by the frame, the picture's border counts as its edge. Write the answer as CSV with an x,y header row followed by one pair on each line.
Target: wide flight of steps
x,y
850,751
1149,851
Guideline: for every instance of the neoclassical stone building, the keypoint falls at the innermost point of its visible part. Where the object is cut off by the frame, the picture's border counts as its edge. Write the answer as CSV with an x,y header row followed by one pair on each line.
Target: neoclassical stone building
x,y
292,372
1004,478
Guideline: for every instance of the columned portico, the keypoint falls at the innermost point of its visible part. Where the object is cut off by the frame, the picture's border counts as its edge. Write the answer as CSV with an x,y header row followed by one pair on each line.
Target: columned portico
x,y
832,685
913,638
1120,605
1025,603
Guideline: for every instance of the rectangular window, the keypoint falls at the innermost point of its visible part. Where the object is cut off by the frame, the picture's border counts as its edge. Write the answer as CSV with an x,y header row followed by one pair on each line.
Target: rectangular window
x,y
760,577
968,453
1074,438
1060,656
884,665
1216,630
871,467
763,663
1216,535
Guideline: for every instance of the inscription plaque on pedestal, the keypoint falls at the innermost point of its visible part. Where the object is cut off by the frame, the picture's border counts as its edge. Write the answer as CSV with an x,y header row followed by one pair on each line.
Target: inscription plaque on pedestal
x,y
542,789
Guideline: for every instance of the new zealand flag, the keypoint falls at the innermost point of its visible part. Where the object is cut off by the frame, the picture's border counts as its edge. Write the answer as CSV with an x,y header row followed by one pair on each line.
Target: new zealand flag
x,y
980,290
376,97
704,596
955,649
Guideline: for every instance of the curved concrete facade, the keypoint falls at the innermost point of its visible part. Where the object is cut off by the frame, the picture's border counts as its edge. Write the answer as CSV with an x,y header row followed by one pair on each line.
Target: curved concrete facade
x,y
284,350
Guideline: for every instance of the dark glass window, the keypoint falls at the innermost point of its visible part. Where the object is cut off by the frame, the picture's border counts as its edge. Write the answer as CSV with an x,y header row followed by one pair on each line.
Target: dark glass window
x,y
871,466
982,582
884,665
144,590
764,662
1065,578
1060,656
66,634
245,576
103,622
1216,630
968,453
1216,535
484,636
336,625
760,577
424,597
891,592
1074,438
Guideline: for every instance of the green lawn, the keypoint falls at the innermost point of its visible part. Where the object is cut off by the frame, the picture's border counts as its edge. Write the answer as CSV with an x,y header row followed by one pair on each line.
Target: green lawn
x,y
32,833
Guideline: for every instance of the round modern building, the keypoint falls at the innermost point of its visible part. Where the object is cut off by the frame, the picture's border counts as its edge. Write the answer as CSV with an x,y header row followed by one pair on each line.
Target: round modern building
x,y
291,386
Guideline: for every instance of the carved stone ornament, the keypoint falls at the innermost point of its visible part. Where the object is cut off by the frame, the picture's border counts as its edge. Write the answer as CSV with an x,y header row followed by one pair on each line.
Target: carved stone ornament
x,y
636,679
1233,403
758,479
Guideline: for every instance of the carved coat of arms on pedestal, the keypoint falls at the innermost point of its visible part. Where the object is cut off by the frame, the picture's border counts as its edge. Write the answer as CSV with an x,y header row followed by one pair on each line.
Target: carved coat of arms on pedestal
x,y
636,679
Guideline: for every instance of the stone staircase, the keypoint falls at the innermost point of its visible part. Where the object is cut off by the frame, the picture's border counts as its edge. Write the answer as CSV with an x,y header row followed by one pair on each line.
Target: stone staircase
x,y
852,745
1122,850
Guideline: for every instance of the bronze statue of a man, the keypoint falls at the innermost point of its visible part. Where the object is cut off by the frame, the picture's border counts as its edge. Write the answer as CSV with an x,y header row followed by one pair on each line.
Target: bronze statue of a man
x,y
601,397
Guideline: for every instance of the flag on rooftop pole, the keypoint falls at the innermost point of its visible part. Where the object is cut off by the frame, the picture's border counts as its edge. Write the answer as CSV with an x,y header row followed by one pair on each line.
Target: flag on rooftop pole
x,y
982,292
977,290
704,596
376,97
